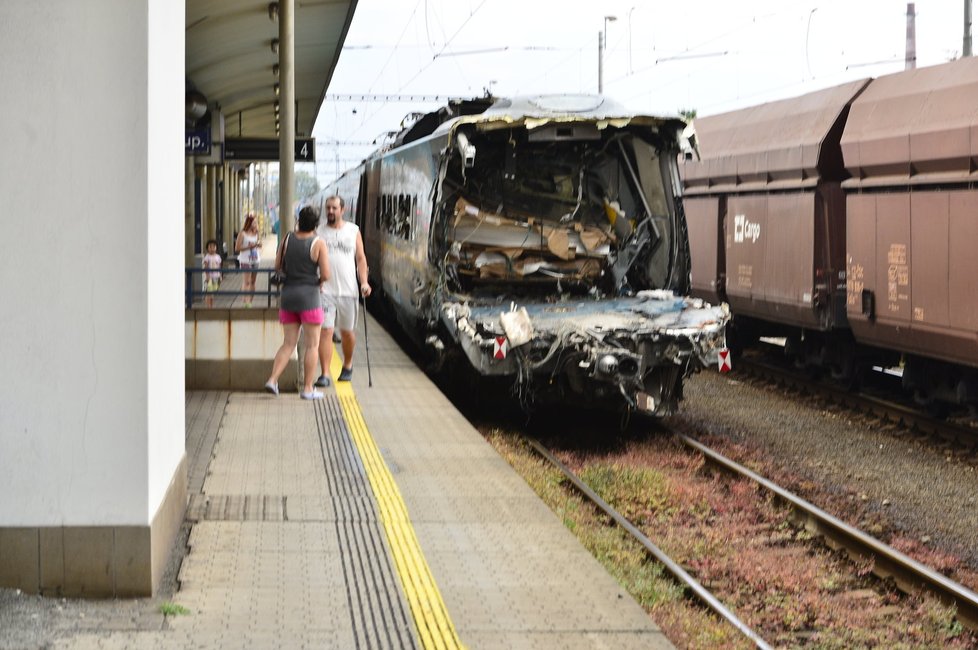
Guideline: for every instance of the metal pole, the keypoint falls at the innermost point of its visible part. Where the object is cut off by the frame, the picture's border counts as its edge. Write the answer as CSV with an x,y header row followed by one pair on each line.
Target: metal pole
x,y
602,46
600,62
966,46
630,39
911,60
286,142
366,342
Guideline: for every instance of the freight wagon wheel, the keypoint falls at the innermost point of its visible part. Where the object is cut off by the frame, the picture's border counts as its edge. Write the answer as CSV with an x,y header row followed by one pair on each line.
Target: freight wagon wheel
x,y
740,337
850,379
935,408
848,372
796,354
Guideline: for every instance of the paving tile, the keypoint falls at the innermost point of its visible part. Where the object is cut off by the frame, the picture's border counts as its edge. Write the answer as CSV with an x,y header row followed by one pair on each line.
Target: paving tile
x,y
287,549
506,566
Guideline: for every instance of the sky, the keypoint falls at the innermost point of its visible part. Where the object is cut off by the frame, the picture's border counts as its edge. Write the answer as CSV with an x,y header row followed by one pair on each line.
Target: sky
x,y
710,56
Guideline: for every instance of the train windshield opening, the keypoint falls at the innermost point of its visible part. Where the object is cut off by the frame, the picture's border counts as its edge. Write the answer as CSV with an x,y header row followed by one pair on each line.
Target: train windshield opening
x,y
563,206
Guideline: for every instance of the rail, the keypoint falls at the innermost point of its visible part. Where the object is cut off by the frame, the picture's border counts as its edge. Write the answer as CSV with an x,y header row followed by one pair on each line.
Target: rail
x,y
908,574
677,571
191,293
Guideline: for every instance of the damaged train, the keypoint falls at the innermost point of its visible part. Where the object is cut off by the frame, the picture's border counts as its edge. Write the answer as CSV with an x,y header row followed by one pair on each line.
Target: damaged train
x,y
543,240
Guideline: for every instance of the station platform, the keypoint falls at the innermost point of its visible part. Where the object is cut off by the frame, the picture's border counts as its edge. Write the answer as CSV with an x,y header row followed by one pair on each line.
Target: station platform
x,y
375,518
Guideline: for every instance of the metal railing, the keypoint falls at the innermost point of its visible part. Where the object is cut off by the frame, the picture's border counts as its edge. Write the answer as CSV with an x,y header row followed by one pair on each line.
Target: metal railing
x,y
193,293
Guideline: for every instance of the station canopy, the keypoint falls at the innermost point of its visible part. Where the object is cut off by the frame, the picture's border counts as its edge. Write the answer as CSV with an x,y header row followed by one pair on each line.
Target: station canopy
x,y
232,61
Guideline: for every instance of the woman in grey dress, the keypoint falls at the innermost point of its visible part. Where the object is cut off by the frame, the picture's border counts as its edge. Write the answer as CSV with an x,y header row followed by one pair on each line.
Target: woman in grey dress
x,y
303,258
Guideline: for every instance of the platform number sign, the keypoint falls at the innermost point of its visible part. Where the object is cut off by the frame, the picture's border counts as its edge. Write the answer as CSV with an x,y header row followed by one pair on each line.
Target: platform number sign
x,y
266,149
723,359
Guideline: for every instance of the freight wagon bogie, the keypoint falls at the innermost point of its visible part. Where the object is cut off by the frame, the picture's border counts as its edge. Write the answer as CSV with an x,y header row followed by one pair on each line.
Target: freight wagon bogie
x,y
824,354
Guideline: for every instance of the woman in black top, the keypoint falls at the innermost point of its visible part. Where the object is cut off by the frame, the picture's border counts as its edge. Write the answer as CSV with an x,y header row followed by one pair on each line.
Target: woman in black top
x,y
303,258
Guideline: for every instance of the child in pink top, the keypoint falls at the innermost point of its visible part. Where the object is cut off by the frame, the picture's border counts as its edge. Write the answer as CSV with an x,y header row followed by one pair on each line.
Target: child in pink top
x,y
212,280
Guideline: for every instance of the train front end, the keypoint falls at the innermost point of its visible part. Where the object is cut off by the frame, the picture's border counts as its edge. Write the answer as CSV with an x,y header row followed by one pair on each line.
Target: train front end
x,y
561,254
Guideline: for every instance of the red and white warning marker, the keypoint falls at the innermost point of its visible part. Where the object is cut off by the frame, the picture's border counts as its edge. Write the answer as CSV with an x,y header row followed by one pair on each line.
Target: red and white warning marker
x,y
500,347
725,362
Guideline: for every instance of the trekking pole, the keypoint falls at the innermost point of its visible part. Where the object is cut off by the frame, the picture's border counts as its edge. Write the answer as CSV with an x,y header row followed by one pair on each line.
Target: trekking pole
x,y
366,342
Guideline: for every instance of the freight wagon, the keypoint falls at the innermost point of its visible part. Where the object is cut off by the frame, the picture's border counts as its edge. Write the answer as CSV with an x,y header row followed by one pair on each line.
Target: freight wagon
x,y
845,220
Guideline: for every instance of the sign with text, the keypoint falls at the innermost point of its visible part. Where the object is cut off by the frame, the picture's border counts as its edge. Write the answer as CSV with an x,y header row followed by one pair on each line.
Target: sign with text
x,y
266,149
198,141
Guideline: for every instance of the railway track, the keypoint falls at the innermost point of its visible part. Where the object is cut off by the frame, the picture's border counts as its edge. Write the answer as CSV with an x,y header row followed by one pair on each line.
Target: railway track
x,y
887,563
704,595
946,431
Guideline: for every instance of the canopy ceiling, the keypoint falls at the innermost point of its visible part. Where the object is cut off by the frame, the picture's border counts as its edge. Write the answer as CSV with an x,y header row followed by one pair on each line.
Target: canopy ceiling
x,y
230,60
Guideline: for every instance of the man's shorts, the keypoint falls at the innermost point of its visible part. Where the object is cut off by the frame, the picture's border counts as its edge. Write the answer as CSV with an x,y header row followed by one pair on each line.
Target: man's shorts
x,y
340,313
309,316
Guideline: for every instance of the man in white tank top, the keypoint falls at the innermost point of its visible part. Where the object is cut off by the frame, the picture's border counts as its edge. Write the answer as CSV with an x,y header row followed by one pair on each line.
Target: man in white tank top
x,y
347,281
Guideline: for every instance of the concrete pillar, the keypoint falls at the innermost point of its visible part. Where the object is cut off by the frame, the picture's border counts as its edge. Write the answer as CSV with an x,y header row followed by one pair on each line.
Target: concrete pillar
x,y
92,461
238,205
210,218
232,212
201,174
230,183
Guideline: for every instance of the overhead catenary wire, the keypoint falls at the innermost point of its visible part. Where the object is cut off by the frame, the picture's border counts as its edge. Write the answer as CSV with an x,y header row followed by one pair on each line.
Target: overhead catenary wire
x,y
424,67
461,73
576,52
690,52
805,81
407,23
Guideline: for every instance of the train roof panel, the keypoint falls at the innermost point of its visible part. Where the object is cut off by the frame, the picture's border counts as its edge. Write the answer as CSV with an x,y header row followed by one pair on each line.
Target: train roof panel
x,y
537,110
585,106
786,143
915,126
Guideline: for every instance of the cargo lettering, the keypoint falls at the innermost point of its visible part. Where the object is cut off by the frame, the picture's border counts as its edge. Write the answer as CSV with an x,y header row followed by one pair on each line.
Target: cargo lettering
x,y
745,276
855,283
897,278
745,229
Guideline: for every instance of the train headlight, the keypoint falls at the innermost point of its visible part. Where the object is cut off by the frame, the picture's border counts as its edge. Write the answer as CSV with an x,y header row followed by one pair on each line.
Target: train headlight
x,y
628,366
607,364
465,149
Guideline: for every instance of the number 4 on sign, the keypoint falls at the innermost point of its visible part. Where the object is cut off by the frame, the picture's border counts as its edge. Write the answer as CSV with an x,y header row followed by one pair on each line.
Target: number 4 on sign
x,y
724,361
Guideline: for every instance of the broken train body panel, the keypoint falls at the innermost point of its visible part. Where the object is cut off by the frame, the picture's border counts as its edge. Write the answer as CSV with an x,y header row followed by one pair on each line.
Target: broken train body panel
x,y
543,240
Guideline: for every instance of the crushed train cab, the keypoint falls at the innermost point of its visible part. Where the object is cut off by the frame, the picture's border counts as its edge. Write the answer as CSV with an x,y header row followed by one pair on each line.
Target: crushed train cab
x,y
544,238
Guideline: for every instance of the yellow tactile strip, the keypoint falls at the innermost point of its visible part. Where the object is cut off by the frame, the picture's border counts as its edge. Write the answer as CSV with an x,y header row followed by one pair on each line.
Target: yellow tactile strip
x,y
435,627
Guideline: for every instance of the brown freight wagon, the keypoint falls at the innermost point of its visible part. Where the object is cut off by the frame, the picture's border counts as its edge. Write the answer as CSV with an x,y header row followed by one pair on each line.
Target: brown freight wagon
x,y
766,214
911,146
846,220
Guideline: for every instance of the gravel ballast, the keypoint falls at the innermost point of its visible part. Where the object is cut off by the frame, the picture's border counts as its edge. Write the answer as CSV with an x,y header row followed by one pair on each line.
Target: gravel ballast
x,y
922,491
